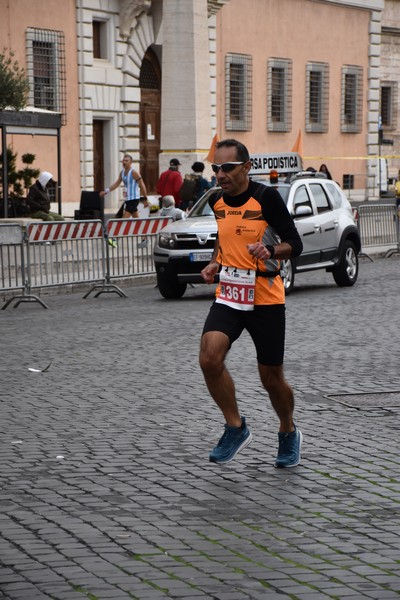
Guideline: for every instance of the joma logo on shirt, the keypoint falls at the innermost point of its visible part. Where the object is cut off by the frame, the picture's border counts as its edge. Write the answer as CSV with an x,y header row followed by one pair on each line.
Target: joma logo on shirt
x,y
234,212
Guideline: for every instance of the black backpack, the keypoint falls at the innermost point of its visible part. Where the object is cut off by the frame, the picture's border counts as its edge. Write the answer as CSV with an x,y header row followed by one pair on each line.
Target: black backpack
x,y
188,190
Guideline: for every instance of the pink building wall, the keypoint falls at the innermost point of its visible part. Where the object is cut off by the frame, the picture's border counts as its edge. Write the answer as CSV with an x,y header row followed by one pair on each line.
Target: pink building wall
x,y
16,17
304,31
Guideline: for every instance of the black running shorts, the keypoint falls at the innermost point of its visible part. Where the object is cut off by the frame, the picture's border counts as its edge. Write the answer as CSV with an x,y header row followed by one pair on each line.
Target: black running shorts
x,y
131,206
265,324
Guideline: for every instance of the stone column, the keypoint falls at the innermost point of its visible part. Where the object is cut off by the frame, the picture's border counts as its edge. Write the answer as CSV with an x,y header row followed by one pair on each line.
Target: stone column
x,y
374,75
186,131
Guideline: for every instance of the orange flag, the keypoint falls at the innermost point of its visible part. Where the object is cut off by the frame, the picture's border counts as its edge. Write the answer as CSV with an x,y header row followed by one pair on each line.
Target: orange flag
x,y
211,152
298,145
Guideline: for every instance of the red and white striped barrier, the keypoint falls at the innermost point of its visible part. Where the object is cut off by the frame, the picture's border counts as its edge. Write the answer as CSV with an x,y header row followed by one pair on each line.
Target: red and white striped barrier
x,y
57,230
126,227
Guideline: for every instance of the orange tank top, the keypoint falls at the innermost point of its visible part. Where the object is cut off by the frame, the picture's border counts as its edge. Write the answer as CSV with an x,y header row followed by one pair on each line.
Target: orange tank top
x,y
244,225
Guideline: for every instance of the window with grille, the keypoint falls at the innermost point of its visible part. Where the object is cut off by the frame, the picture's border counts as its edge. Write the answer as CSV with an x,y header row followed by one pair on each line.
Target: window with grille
x,y
317,97
149,77
46,70
351,105
238,92
388,104
279,94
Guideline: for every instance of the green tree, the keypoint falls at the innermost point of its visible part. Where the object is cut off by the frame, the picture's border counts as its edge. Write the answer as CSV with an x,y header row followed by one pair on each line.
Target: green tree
x,y
14,85
19,180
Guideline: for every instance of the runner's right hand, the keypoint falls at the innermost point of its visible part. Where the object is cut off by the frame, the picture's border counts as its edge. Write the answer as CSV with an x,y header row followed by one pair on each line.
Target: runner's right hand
x,y
209,272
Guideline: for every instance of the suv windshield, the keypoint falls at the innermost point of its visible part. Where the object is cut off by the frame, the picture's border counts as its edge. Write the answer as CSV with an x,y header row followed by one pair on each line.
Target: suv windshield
x,y
202,208
283,188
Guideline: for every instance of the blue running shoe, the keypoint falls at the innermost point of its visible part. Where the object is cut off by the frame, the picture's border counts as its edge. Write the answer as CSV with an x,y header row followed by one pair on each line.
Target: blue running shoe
x,y
289,449
233,440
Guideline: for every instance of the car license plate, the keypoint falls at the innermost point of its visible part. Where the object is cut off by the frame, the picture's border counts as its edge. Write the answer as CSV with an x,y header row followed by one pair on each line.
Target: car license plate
x,y
200,256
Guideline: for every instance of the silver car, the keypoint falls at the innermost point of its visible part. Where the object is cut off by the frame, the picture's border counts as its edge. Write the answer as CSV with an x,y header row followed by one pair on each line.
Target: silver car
x,y
323,217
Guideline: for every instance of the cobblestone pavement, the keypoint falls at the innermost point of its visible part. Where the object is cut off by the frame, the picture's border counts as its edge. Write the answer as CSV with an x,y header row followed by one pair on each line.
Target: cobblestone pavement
x,y
106,489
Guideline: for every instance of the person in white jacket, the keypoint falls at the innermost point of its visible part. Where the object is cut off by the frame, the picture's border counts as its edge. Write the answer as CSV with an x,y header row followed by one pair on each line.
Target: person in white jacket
x,y
169,210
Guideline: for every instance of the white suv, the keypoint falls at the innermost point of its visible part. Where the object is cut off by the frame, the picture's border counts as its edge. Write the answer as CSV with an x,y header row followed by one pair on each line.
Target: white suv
x,y
323,217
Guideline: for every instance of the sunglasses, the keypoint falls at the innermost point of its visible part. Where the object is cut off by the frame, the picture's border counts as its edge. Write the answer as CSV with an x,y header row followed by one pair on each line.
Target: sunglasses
x,y
225,167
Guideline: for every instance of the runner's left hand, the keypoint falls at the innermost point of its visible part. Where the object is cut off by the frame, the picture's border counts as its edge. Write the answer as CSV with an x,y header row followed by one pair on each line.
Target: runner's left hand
x,y
258,250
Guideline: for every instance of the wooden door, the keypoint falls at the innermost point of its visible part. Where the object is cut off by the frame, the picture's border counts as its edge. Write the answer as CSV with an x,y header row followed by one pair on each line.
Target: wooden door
x,y
150,120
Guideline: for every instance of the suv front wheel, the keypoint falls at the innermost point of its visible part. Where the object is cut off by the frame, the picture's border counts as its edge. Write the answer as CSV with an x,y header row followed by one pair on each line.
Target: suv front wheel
x,y
170,288
346,271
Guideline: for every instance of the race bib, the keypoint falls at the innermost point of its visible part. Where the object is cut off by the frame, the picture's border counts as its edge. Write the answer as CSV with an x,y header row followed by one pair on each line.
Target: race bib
x,y
237,288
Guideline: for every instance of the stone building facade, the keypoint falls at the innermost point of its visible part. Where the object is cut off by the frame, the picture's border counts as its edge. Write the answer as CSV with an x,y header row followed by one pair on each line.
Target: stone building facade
x,y
159,78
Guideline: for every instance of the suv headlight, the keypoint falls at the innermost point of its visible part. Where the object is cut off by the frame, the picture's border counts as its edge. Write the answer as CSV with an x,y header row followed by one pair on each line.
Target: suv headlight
x,y
166,240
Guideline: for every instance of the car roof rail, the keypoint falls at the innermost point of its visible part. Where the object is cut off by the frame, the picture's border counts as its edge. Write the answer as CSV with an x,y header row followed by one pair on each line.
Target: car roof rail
x,y
308,174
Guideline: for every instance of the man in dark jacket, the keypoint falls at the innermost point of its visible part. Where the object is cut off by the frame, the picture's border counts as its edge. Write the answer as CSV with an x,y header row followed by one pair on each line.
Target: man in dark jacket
x,y
38,200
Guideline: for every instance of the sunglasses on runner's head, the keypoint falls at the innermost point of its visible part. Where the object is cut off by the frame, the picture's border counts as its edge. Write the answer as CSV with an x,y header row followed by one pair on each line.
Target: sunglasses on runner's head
x,y
225,167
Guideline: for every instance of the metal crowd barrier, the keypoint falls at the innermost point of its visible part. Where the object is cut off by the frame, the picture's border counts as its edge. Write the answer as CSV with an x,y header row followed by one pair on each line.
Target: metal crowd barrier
x,y
129,250
59,253
64,252
12,267
379,225
134,242
13,275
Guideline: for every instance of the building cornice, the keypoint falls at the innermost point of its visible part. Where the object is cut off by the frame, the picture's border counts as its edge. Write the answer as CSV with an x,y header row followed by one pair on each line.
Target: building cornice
x,y
390,30
215,5
364,4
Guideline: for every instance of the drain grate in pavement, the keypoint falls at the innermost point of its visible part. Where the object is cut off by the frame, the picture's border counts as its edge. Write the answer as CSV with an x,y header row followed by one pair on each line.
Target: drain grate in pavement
x,y
389,400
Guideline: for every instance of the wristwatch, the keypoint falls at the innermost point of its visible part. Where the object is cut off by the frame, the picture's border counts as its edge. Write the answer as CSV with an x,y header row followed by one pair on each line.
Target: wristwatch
x,y
271,250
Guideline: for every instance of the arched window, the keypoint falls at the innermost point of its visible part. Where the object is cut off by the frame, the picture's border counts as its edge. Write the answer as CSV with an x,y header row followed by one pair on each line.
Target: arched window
x,y
150,76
